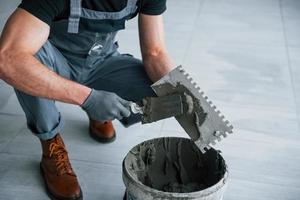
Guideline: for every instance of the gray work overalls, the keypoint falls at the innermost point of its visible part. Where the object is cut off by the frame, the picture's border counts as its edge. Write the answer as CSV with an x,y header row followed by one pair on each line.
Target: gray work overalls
x,y
89,57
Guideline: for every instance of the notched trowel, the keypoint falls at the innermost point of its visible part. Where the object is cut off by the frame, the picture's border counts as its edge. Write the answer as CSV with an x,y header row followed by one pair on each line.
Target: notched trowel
x,y
197,116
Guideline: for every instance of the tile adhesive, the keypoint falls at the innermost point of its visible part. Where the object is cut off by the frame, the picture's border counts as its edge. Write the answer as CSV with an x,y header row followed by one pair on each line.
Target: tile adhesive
x,y
173,168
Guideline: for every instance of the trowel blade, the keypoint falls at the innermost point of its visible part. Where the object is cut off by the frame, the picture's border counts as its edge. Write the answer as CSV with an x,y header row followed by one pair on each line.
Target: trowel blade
x,y
158,108
204,124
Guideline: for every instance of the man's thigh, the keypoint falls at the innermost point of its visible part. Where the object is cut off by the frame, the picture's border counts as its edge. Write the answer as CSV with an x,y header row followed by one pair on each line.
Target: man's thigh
x,y
123,75
52,58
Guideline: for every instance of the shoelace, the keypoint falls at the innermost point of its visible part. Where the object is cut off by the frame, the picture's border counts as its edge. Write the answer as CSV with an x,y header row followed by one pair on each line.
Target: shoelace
x,y
62,163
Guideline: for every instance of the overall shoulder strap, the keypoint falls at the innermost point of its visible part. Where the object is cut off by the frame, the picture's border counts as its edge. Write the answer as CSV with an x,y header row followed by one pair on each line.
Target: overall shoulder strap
x,y
75,14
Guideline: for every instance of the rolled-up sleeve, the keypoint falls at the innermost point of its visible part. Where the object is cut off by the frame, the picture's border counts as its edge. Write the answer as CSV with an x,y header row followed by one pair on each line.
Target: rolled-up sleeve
x,y
153,7
45,10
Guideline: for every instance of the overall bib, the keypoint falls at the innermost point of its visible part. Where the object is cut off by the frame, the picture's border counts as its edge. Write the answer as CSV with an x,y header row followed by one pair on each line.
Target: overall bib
x,y
90,57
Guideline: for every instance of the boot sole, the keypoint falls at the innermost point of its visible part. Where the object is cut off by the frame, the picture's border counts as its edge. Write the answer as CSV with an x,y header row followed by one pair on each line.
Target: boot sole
x,y
52,196
101,139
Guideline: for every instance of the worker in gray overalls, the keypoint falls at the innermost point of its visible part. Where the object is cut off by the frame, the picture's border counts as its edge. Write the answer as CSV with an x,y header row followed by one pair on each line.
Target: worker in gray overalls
x,y
65,50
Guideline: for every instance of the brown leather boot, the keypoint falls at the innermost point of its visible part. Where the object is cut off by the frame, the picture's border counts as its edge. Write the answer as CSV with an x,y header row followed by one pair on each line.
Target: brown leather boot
x,y
60,179
102,132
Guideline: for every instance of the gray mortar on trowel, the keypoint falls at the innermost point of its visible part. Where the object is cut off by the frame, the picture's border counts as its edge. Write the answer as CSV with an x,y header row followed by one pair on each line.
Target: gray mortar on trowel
x,y
175,165
193,112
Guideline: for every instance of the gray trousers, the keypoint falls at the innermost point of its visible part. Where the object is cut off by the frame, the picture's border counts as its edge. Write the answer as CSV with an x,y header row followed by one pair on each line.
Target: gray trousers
x,y
121,74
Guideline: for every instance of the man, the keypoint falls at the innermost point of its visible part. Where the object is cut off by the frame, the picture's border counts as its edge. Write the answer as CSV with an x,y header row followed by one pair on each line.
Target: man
x,y
65,50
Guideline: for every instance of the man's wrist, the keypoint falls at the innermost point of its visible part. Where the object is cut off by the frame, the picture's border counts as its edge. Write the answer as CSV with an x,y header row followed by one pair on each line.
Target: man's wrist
x,y
83,95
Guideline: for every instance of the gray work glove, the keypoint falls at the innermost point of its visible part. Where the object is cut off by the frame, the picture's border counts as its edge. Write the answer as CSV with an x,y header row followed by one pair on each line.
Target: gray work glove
x,y
106,106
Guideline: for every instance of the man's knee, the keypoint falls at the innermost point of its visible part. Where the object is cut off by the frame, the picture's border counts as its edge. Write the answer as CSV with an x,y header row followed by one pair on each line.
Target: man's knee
x,y
142,83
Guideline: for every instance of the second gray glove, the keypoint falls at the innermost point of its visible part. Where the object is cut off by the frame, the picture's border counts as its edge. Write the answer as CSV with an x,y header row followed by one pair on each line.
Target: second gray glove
x,y
106,106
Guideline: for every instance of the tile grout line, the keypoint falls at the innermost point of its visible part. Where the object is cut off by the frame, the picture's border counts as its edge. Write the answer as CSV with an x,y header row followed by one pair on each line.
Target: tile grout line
x,y
201,4
71,159
289,63
95,162
11,114
4,149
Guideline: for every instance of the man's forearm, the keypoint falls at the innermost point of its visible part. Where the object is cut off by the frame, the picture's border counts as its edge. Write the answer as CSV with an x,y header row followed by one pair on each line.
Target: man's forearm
x,y
158,65
24,72
156,60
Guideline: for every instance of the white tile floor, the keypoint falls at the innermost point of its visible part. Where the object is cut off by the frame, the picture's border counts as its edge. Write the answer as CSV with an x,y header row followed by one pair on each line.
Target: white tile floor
x,y
244,54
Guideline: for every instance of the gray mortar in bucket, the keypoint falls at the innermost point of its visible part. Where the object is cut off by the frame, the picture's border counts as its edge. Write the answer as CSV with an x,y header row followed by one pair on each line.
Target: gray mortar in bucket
x,y
173,168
